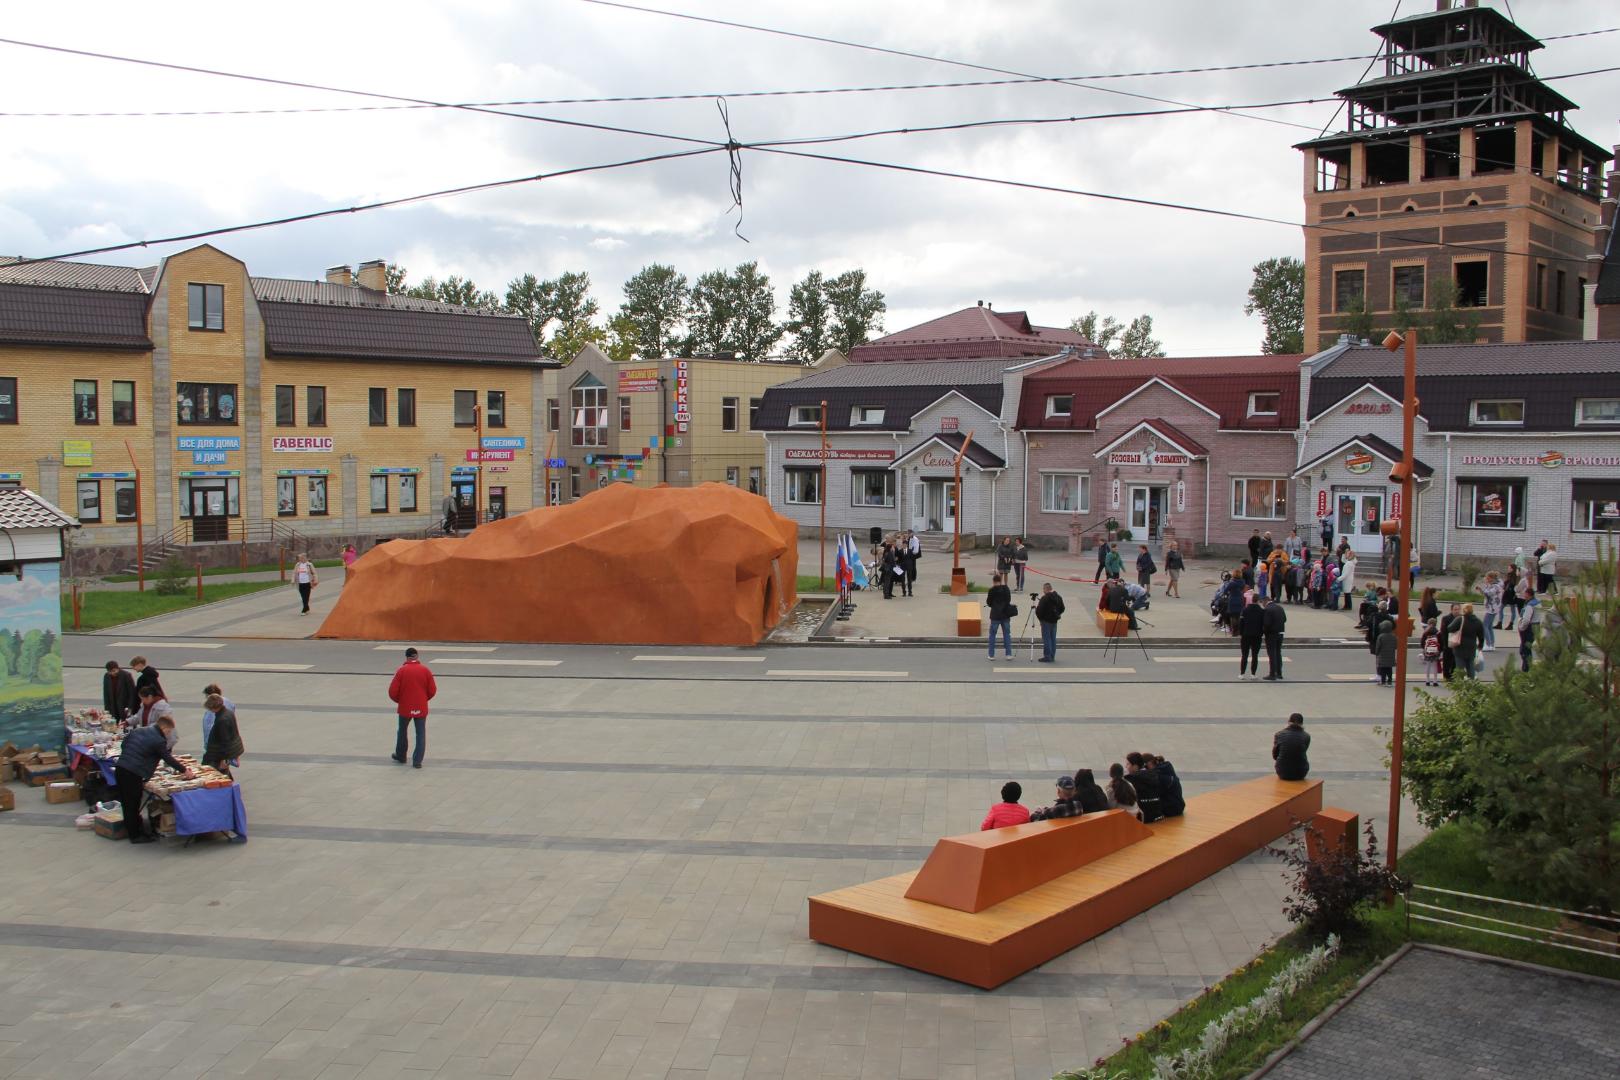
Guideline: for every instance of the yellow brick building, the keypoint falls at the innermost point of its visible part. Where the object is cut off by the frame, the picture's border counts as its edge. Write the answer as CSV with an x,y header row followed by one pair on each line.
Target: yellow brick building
x,y
258,412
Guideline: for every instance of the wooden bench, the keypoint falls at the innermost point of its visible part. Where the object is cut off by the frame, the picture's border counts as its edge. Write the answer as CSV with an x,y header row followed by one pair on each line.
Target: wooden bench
x,y
1113,624
989,906
969,620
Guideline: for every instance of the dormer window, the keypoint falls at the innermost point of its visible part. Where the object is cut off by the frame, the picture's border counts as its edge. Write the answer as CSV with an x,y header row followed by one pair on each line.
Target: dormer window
x,y
805,416
1059,406
865,415
1496,413
1264,403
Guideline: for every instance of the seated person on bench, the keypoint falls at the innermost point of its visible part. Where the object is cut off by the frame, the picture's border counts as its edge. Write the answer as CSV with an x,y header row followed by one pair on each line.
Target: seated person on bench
x,y
1009,811
1092,799
1065,806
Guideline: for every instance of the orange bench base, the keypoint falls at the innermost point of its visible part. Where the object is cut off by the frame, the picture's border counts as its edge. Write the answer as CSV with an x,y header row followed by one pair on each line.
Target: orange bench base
x,y
988,947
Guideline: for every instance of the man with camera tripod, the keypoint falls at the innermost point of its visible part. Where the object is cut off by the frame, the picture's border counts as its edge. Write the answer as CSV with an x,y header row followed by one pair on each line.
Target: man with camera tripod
x,y
1048,610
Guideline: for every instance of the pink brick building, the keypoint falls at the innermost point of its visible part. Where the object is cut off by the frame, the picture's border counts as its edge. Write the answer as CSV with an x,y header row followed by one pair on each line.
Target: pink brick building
x,y
1199,449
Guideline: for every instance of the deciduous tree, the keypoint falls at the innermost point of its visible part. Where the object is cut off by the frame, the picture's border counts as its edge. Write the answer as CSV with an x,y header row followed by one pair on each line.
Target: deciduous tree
x,y
1277,295
655,302
1118,339
807,317
733,312
857,312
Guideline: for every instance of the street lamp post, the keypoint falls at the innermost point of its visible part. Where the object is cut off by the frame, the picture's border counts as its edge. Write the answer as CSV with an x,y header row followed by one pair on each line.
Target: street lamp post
x,y
1402,525
821,497
959,585
478,462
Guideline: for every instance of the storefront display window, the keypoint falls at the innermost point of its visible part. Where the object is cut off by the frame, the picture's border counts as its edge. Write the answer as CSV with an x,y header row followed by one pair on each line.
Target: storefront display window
x,y
1065,493
870,487
803,486
205,403
124,500
317,496
407,492
1490,504
1262,498
286,496
89,501
1597,505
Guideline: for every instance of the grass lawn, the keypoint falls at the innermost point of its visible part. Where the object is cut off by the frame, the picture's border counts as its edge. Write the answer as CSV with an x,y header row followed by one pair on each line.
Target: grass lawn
x,y
1447,858
99,610
216,571
1457,596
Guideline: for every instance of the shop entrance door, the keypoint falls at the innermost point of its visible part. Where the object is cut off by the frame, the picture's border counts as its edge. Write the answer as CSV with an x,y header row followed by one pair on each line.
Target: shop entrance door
x,y
939,506
1360,511
497,503
1147,513
209,521
466,507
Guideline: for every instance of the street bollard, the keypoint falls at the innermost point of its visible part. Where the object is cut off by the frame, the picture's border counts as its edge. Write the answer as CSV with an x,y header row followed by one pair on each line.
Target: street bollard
x,y
75,607
199,583
281,557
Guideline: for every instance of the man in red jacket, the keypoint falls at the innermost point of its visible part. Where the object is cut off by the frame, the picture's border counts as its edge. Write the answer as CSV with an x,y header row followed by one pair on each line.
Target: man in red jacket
x,y
413,687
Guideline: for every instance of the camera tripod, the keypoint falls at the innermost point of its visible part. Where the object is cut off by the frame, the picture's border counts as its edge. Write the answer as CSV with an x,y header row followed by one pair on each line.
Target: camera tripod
x,y
1025,639
1111,646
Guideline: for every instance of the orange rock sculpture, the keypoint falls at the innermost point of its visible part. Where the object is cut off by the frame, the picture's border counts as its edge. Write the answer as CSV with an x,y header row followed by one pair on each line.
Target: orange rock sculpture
x,y
707,565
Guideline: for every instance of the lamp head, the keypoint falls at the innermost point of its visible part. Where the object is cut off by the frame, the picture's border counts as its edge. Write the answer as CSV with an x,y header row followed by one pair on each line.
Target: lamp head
x,y
1399,472
1393,341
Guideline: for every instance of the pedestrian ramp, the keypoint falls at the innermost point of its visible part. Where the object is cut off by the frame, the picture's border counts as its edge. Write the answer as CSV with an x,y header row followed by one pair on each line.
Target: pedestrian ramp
x,y
989,906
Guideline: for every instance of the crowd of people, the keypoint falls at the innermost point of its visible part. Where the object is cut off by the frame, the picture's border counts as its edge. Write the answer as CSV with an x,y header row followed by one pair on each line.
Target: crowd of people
x,y
896,563
1145,785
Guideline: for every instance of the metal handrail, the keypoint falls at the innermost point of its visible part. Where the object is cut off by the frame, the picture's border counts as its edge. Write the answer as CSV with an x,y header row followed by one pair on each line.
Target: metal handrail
x,y
1546,934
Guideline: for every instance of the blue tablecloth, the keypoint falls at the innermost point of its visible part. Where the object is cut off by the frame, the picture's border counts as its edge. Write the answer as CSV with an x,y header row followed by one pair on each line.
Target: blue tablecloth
x,y
206,810
106,765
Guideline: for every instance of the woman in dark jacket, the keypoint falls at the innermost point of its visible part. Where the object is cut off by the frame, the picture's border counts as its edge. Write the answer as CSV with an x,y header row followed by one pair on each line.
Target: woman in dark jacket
x,y
224,738
999,601
1288,750
1091,797
1171,801
1146,783
1428,607
1473,636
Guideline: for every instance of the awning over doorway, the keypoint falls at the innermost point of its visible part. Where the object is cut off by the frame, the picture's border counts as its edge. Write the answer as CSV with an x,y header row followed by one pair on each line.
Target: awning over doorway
x,y
950,442
1370,444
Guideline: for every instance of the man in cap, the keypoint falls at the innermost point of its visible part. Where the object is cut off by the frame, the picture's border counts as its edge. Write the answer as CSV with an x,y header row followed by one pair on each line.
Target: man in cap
x,y
1065,806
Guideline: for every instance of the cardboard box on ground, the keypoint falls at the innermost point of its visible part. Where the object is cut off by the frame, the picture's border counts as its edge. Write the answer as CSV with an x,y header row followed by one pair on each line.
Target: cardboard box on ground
x,y
8,801
62,791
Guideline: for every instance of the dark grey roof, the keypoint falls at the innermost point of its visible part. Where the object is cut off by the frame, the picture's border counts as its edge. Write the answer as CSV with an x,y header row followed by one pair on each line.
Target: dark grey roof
x,y
77,318
900,390
1532,358
299,291
77,275
362,333
977,452
1385,449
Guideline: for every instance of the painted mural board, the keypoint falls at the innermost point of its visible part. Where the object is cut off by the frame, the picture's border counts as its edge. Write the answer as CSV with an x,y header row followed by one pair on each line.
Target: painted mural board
x,y
31,657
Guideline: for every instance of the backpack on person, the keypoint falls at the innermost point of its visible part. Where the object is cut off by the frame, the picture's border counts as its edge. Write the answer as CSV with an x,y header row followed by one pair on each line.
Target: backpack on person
x,y
1431,645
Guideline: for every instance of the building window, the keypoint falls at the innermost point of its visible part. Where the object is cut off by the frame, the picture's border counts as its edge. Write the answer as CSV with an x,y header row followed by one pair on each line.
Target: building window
x,y
205,403
1560,283
870,487
1597,411
1065,493
377,406
123,402
466,404
495,408
865,415
805,416
573,482
1473,281
588,402
8,400
407,493
1538,299
1264,403
88,508
624,412
1490,504
1260,498
1408,286
316,489
733,476
286,496
315,406
379,493
285,415
211,497
1496,413
803,486
1580,298
1597,505
405,405
205,307
124,500
86,402
1059,405
753,413
553,415
1349,289
728,414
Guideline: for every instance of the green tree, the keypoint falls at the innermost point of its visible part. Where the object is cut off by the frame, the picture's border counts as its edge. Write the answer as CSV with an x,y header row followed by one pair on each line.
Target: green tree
x,y
1447,322
623,342
857,312
1359,322
452,290
733,313
395,275
807,317
1277,295
1138,341
1101,331
564,300
655,303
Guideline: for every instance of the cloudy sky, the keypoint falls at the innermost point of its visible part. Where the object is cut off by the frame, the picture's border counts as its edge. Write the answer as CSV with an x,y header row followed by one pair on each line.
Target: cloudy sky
x,y
930,244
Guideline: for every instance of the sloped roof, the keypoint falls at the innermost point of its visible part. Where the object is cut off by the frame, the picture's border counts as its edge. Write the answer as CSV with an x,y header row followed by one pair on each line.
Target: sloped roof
x,y
977,453
900,390
1167,431
365,333
1222,384
299,291
22,509
77,275
1513,358
73,318
968,333
1385,449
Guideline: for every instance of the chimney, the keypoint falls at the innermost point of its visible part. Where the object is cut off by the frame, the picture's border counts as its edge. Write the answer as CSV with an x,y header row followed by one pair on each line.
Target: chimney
x,y
373,275
339,275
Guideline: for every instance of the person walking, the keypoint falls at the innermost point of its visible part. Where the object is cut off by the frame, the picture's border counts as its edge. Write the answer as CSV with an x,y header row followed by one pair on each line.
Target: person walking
x,y
1002,610
350,556
1384,645
1276,618
1102,561
1048,611
1529,620
1491,590
1251,631
1472,632
1145,568
1020,560
224,740
413,687
118,696
1509,615
306,578
1347,578
1173,566
1450,639
1116,566
1289,750
137,760
450,514
1547,570
146,675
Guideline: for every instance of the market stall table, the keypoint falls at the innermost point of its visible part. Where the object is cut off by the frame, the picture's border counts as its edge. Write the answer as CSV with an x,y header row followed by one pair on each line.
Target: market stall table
x,y
207,810
81,756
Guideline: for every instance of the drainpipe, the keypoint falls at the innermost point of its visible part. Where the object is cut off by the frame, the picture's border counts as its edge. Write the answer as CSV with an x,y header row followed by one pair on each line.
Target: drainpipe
x,y
1026,487
1445,509
899,488
1207,465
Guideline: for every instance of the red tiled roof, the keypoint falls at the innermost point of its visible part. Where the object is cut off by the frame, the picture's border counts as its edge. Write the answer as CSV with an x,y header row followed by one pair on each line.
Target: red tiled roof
x,y
972,333
1179,437
1221,384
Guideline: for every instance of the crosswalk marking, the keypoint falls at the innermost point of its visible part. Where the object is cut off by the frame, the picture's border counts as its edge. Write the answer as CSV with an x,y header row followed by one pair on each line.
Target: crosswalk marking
x,y
808,674
702,659
228,665
396,646
154,645
1056,670
1203,659
496,661
1362,677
